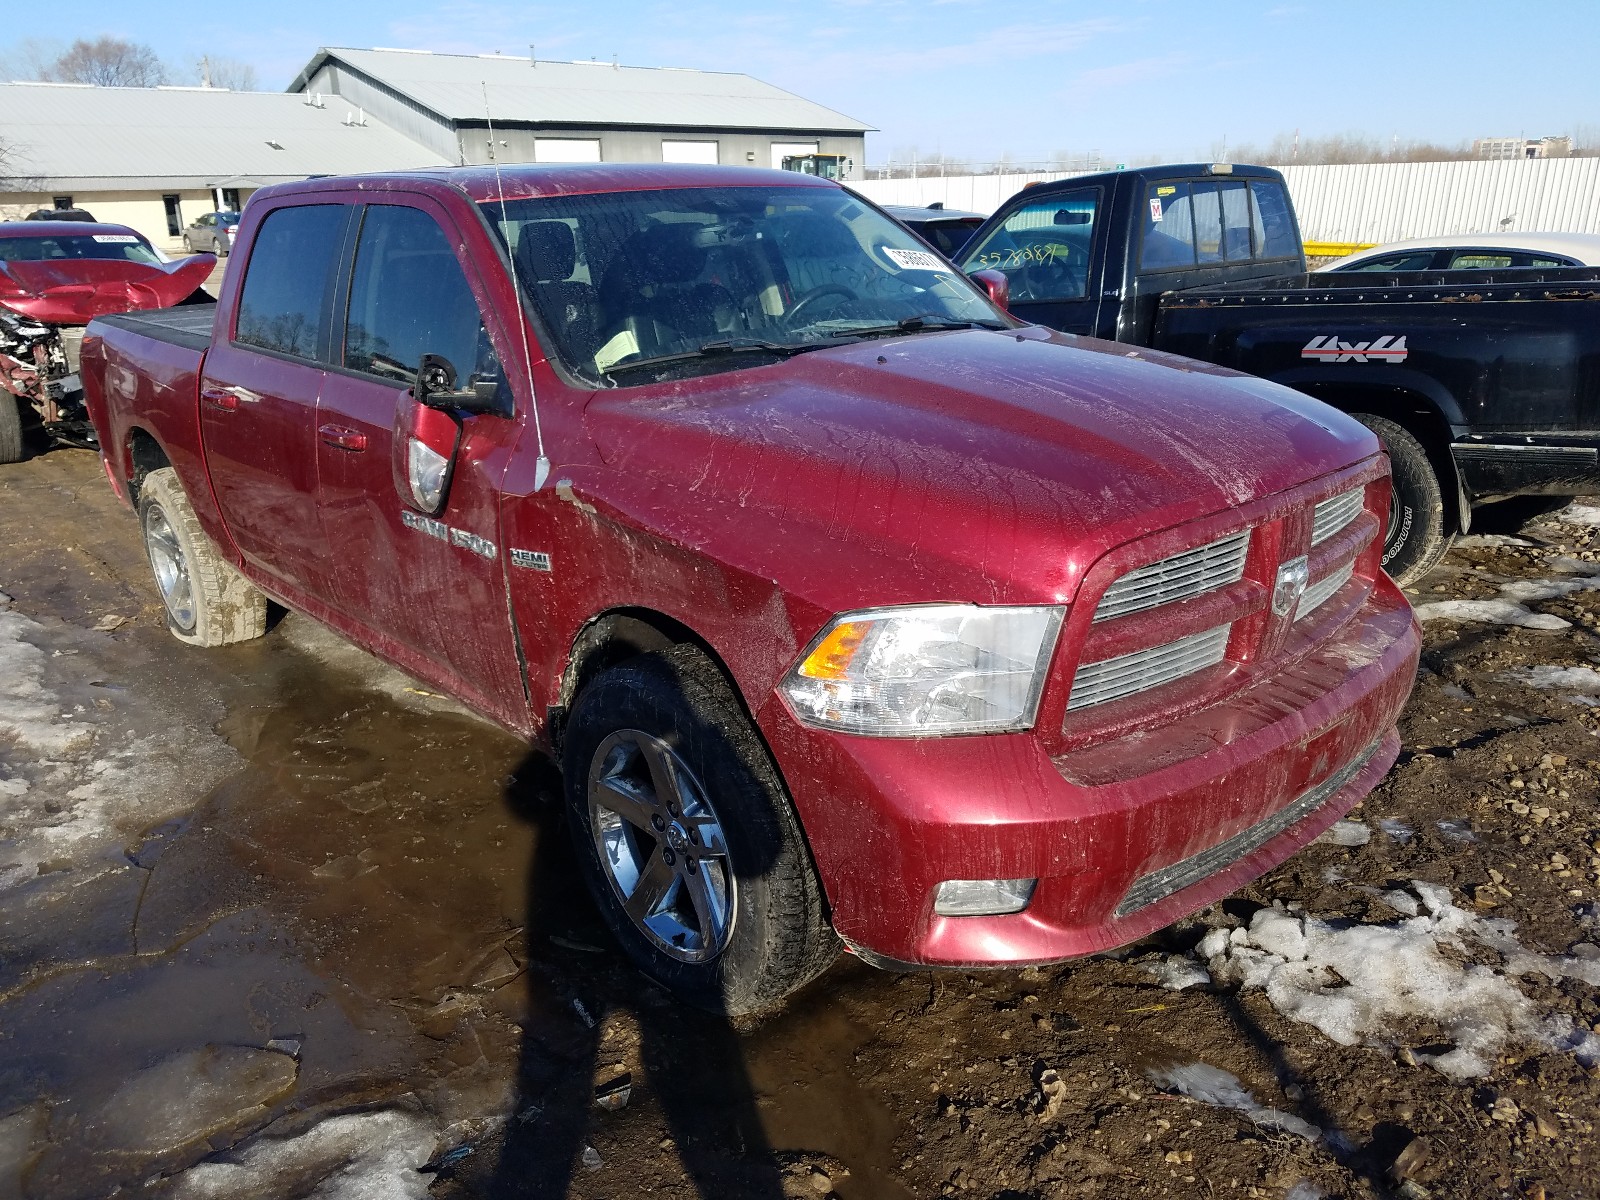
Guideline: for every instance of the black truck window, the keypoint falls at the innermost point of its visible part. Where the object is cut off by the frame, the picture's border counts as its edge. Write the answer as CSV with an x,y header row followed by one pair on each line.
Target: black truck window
x,y
284,296
1168,228
1278,237
1043,247
409,297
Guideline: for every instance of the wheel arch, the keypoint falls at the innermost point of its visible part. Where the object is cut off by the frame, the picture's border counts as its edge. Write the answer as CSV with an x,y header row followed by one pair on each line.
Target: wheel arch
x,y
1419,415
142,454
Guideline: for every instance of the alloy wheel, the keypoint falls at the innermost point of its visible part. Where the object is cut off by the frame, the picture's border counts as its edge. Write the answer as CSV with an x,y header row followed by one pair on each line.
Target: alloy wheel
x,y
661,846
171,568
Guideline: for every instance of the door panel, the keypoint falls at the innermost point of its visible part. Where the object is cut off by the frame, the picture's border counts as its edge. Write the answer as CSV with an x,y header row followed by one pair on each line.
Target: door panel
x,y
438,586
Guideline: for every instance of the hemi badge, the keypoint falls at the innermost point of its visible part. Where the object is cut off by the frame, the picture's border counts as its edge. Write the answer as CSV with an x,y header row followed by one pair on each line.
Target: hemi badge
x,y
533,560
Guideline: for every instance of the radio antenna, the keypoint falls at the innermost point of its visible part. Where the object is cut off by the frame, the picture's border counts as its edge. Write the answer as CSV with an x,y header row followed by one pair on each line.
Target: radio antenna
x,y
541,470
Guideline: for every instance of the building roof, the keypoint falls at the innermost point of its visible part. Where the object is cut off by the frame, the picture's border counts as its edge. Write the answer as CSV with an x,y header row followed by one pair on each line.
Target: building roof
x,y
521,92
103,138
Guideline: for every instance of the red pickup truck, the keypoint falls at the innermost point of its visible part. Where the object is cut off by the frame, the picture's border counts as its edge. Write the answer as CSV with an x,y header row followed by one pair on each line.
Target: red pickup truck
x,y
854,609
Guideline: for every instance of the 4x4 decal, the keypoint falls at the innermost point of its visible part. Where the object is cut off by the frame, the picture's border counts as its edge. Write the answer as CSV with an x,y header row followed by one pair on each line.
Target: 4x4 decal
x,y
1328,348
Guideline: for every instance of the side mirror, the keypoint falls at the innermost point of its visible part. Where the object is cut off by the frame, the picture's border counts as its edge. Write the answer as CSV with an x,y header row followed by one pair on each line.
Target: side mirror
x,y
426,441
995,285
435,387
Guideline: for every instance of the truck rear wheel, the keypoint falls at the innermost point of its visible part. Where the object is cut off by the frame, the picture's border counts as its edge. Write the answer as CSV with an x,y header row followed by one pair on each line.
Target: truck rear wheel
x,y
208,602
10,428
1416,538
689,844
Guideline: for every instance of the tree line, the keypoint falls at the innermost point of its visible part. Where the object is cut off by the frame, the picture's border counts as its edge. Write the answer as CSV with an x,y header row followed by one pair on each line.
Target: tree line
x,y
117,62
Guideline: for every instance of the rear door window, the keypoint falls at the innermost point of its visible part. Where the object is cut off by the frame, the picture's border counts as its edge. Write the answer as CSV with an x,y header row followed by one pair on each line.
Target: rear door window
x,y
1168,228
409,297
1479,260
1278,237
1043,247
1413,260
283,304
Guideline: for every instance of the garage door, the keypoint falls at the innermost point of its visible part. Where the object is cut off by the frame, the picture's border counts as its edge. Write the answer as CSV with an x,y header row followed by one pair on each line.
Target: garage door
x,y
689,152
557,150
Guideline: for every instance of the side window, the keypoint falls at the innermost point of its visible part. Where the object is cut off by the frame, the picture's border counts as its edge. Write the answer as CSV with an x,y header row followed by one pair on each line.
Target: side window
x,y
1479,260
1168,228
1544,260
1278,238
409,297
1043,247
1207,223
1417,260
288,278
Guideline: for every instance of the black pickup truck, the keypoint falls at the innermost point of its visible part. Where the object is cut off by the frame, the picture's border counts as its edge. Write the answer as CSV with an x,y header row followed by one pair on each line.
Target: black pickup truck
x,y
1481,384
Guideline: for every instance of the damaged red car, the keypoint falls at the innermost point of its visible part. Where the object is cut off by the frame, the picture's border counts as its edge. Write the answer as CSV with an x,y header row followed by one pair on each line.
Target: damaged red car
x,y
55,277
856,612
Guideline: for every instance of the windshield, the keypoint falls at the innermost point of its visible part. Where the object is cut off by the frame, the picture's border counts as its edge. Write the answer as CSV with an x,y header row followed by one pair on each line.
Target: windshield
x,y
717,278
123,247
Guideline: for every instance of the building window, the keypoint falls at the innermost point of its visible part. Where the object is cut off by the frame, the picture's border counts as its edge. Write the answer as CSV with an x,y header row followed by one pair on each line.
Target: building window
x,y
62,201
174,215
689,152
566,150
230,199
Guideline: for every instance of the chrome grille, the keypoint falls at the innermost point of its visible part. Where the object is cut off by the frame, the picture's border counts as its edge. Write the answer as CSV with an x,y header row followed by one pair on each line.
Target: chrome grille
x,y
1113,678
1192,573
1317,593
1158,885
1334,513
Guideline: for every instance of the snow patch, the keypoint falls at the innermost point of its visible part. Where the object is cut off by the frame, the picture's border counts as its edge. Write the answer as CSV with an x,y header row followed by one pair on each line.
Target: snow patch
x,y
1480,541
364,1156
1577,679
1494,612
1221,1089
1580,514
1347,833
1375,984
30,715
1527,590
1176,972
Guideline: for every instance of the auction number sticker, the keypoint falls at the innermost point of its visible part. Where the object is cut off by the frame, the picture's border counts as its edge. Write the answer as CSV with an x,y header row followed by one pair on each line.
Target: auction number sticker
x,y
914,260
119,239
1155,209
1166,191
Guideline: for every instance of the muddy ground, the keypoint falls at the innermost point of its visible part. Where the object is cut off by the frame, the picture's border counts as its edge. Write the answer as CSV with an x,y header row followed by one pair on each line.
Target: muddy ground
x,y
276,922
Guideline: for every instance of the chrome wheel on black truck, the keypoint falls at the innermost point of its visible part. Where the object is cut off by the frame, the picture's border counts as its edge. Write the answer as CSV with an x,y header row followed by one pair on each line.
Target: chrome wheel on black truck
x,y
1417,536
688,840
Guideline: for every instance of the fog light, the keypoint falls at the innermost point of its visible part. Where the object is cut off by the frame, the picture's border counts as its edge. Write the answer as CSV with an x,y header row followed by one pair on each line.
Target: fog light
x,y
982,897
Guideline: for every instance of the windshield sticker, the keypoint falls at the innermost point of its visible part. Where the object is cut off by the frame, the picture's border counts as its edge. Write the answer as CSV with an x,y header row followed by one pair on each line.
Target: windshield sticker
x,y
617,349
1155,209
118,239
914,260
1166,191
1329,349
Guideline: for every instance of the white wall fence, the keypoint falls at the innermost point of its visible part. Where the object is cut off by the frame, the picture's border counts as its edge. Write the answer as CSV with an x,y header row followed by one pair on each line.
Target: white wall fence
x,y
1368,202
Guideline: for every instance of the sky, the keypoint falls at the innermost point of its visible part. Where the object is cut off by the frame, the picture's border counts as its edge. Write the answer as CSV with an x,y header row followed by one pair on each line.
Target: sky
x,y
980,79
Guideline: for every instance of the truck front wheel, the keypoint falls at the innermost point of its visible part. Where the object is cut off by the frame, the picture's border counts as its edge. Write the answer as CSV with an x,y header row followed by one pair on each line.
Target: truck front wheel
x,y
1417,536
689,844
208,602
10,428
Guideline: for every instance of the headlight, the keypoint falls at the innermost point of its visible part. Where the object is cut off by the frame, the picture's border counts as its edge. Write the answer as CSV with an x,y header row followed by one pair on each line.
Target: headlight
x,y
918,672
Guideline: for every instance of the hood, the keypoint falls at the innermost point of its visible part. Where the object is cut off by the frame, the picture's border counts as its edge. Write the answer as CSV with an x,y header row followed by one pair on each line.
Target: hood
x,y
75,291
994,466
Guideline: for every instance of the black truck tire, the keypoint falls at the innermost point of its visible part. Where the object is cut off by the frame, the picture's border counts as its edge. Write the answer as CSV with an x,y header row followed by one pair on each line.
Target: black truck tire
x,y
1417,536
660,765
208,602
10,428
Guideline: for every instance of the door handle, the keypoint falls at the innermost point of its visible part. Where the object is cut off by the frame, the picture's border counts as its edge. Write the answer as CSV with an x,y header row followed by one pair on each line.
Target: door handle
x,y
344,439
228,397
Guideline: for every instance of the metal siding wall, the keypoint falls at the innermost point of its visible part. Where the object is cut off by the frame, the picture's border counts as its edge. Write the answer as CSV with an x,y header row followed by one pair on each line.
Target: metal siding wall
x,y
1367,203
344,86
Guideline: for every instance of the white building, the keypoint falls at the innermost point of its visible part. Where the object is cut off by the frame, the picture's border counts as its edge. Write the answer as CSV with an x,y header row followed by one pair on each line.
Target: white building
x,y
157,158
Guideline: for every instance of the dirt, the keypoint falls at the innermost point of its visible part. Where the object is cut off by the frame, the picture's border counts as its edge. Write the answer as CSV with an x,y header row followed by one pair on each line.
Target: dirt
x,y
336,917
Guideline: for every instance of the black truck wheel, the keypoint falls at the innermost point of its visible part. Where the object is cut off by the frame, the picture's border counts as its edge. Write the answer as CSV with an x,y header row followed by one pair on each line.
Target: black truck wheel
x,y
208,602
688,840
10,428
1416,537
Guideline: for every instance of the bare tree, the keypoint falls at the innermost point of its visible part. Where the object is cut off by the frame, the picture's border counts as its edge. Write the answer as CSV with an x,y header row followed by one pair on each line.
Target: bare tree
x,y
30,58
229,73
109,62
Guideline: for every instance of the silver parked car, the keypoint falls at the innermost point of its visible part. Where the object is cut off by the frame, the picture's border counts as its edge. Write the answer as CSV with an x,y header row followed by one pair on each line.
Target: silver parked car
x,y
212,233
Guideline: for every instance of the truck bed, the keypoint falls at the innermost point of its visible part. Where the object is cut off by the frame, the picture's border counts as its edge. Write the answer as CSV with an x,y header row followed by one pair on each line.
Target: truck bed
x,y
188,325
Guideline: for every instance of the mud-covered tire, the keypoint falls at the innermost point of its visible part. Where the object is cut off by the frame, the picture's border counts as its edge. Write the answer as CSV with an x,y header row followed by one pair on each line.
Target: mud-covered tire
x,y
1417,536
207,601
778,937
10,428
